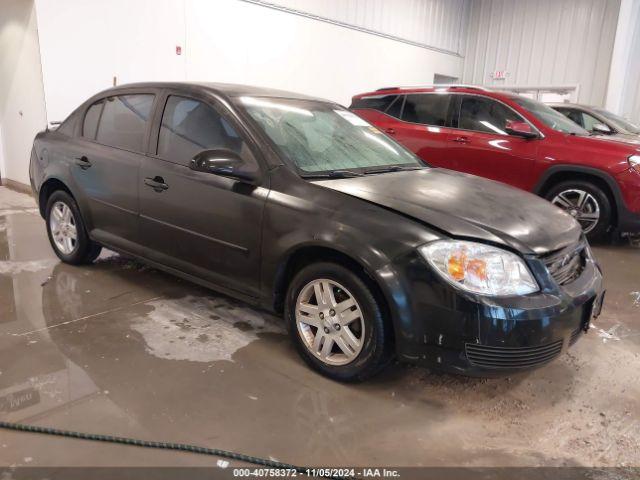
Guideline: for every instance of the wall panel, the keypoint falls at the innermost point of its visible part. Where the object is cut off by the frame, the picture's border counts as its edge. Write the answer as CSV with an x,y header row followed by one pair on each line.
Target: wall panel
x,y
437,24
542,42
232,41
22,111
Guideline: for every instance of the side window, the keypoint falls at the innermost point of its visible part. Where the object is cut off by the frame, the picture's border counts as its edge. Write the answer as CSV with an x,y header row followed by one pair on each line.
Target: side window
x,y
67,127
589,121
189,126
124,120
426,108
485,115
377,102
395,109
90,125
573,115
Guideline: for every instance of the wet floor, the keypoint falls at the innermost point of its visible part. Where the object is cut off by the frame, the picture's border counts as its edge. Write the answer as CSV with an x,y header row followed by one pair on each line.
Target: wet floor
x,y
122,349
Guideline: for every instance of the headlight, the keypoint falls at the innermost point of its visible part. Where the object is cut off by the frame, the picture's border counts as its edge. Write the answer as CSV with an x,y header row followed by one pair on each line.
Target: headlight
x,y
480,268
634,161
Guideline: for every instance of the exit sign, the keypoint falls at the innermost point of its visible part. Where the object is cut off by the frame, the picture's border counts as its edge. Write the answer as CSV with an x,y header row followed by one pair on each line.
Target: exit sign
x,y
499,74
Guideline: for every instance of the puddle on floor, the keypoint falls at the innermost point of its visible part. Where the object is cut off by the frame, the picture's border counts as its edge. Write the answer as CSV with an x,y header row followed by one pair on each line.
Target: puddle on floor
x,y
201,329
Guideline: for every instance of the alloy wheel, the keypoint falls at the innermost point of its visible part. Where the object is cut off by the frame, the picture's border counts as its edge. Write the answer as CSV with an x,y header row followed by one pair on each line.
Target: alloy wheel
x,y
581,205
63,228
330,322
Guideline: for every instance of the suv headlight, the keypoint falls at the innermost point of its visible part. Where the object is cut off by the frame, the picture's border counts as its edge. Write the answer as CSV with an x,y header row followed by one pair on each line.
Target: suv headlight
x,y
479,268
634,161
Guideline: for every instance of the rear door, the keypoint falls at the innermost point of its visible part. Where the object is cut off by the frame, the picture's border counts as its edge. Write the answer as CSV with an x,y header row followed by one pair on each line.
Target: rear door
x,y
417,121
481,146
201,223
381,110
423,128
105,163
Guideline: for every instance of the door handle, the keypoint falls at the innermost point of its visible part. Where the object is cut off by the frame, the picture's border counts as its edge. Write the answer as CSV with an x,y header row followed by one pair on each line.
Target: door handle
x,y
461,140
157,183
83,162
390,131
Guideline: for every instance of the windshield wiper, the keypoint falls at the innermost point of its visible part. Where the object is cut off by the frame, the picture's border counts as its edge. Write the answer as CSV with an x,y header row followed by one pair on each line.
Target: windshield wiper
x,y
390,168
333,174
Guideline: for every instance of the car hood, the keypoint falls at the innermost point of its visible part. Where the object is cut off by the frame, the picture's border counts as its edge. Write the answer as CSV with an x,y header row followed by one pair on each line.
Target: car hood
x,y
466,206
625,138
622,143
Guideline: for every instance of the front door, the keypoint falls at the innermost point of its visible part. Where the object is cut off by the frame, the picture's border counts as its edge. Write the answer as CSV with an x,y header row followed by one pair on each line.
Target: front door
x,y
201,223
481,146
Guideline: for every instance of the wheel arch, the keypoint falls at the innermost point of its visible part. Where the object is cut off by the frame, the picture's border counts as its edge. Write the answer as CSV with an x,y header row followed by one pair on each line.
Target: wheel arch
x,y
307,254
311,253
561,173
47,188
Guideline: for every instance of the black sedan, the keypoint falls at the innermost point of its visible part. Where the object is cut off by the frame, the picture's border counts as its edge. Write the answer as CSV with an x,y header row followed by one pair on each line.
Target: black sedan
x,y
297,205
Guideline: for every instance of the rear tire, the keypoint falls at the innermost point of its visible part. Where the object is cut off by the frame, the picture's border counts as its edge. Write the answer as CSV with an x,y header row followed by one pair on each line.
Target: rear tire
x,y
587,203
67,233
344,335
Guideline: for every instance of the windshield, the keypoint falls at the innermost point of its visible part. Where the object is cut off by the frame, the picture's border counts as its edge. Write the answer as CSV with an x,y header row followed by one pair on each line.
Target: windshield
x,y
321,137
550,117
627,125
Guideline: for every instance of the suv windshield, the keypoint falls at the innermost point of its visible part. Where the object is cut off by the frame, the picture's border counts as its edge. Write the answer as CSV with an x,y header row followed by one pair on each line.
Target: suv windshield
x,y
550,117
624,123
322,137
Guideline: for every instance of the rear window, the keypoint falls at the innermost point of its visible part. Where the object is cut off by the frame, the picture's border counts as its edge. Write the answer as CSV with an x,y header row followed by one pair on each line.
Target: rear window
x,y
426,108
67,127
377,102
90,125
124,120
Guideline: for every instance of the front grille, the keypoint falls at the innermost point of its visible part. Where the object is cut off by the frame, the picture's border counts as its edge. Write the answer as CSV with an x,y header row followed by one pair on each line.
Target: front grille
x,y
512,357
575,335
567,264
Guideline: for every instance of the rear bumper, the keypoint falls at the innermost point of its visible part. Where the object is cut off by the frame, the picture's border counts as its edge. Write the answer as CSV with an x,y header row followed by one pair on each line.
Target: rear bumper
x,y
442,327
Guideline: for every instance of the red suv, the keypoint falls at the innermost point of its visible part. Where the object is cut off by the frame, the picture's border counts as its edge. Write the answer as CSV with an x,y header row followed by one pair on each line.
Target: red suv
x,y
516,140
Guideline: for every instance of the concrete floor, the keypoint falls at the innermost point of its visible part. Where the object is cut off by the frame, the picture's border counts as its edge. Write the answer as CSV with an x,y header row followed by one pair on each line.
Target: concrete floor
x,y
122,349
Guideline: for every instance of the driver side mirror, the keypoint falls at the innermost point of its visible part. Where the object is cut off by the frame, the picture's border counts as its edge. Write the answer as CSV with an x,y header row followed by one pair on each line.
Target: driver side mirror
x,y
223,162
601,128
520,129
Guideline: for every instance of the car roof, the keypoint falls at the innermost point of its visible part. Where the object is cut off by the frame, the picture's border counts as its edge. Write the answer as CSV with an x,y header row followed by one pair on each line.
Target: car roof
x,y
475,89
223,89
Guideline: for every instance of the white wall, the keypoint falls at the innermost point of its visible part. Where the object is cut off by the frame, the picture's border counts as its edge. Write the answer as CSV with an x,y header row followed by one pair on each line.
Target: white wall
x,y
262,46
436,24
22,112
84,44
544,43
623,95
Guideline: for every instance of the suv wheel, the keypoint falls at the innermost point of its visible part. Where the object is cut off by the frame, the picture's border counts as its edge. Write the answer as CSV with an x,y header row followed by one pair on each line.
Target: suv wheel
x,y
336,323
586,202
66,230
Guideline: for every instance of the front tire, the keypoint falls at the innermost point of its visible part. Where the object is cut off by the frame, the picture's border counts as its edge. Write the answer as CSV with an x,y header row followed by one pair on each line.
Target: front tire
x,y
336,322
66,230
587,203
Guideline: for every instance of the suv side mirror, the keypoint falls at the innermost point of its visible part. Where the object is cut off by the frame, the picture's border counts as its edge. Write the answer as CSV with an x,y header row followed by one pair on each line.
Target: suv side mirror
x,y
601,128
223,162
520,129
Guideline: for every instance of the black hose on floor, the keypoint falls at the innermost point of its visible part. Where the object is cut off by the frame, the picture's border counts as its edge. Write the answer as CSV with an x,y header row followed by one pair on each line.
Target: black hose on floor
x,y
184,447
